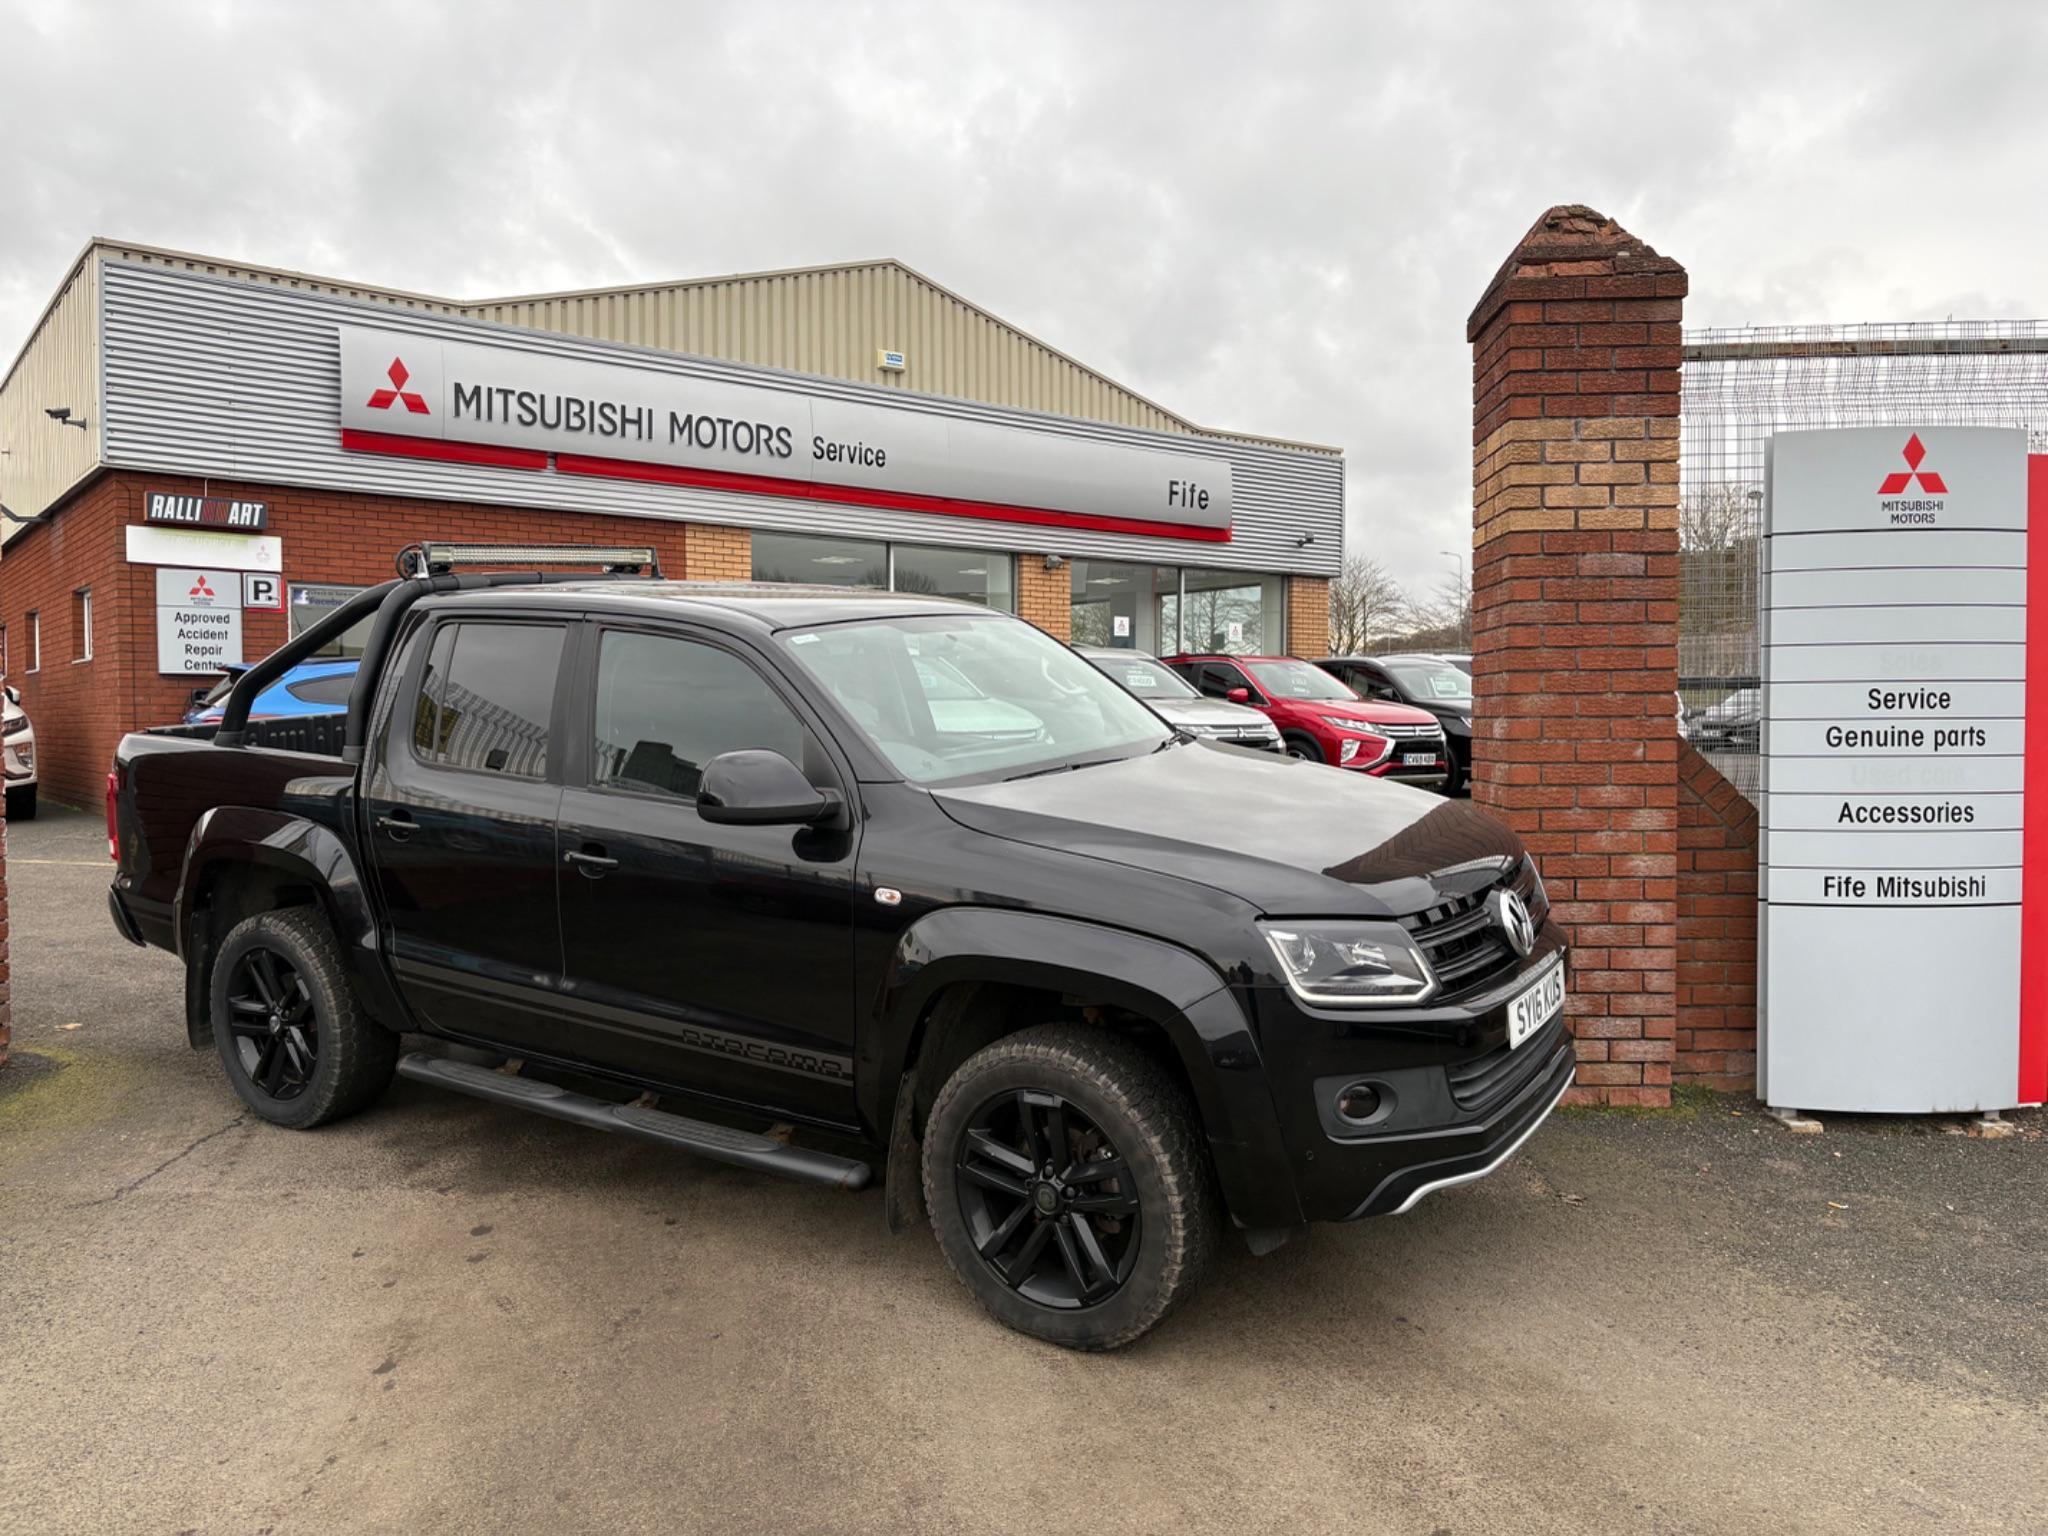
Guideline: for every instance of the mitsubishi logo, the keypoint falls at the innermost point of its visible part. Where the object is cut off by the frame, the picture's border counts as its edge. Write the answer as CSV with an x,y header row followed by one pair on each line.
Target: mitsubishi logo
x,y
1930,482
1512,913
201,589
415,402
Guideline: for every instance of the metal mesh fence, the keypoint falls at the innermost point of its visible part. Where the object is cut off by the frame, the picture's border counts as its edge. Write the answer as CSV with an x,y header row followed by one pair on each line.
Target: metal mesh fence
x,y
1740,386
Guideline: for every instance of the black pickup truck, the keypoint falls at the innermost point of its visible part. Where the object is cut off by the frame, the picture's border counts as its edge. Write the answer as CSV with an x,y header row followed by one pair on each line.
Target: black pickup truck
x,y
815,881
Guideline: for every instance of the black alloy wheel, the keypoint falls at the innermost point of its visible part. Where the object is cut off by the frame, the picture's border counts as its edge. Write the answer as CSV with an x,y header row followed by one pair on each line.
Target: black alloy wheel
x,y
1047,1200
273,1023
297,1047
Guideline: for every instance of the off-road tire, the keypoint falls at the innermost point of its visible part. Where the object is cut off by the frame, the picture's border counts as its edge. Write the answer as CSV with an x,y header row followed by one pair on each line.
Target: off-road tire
x,y
1145,1113
355,1057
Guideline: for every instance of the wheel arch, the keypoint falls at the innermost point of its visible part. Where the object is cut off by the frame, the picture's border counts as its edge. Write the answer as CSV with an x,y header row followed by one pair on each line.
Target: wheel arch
x,y
964,977
243,860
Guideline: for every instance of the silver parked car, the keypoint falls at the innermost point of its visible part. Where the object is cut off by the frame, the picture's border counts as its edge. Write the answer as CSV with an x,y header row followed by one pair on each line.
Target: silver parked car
x,y
1179,705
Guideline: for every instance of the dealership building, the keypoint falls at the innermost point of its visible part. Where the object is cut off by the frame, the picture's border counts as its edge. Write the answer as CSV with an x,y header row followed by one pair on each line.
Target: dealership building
x,y
199,458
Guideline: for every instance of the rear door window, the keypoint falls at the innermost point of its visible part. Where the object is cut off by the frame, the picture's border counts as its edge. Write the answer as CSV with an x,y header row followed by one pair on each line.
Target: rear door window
x,y
486,698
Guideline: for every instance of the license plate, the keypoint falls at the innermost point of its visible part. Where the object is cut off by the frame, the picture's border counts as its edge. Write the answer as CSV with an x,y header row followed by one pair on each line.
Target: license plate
x,y
1417,759
1536,1005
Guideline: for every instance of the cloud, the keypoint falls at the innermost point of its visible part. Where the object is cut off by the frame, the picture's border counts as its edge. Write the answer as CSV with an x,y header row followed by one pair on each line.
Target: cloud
x,y
1270,220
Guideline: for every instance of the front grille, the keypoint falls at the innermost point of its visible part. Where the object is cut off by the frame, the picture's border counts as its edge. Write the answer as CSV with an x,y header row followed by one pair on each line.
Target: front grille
x,y
1407,732
1487,1080
1460,939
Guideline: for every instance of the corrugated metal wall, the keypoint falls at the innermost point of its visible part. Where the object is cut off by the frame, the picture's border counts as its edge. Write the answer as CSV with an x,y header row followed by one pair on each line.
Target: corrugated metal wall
x,y
211,376
833,321
60,367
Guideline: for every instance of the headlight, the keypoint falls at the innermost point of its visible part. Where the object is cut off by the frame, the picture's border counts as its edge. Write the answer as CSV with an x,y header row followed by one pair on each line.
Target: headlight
x,y
15,726
1465,721
1339,723
1350,965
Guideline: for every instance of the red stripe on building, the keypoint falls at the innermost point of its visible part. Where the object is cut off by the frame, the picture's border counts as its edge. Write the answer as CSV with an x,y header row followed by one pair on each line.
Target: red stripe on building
x,y
357,441
2033,1085
899,501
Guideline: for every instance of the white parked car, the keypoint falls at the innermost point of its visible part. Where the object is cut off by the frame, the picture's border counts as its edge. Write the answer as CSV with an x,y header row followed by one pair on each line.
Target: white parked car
x,y
19,737
1179,705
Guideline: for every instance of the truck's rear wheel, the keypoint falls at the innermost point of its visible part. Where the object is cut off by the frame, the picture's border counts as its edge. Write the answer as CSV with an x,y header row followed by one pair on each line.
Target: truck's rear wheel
x,y
1069,1186
296,1047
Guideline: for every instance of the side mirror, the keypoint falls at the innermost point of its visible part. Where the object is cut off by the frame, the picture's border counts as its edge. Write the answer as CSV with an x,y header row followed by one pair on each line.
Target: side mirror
x,y
1239,695
761,789
14,695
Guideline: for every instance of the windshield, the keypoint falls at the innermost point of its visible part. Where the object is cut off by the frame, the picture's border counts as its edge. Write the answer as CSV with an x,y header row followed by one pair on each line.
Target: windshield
x,y
1431,680
1299,680
1143,676
949,696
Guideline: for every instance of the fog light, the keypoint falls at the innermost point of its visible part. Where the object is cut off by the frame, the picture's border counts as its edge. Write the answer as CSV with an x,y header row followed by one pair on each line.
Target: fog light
x,y
1347,751
1359,1103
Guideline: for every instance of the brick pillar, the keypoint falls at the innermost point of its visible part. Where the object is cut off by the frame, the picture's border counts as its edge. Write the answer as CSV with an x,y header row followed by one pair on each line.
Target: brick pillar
x,y
1045,597
1308,617
1575,357
715,553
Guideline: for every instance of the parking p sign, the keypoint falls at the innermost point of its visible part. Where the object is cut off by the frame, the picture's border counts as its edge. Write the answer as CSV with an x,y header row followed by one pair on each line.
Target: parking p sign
x,y
263,590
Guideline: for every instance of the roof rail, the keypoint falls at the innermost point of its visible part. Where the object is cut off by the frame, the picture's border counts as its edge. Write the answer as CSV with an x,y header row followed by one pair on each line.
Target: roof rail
x,y
431,558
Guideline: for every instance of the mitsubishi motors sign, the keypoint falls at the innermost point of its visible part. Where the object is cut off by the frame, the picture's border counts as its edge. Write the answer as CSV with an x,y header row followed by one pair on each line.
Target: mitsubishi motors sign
x,y
1904,869
511,407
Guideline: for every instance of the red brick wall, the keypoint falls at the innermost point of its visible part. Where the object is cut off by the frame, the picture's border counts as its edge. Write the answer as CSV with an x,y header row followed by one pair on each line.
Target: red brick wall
x,y
1045,597
1717,849
1575,352
82,710
1308,617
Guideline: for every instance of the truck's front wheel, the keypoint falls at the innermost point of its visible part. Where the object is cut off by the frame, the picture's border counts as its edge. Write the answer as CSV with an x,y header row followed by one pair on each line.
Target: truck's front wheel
x,y
1069,1185
296,1047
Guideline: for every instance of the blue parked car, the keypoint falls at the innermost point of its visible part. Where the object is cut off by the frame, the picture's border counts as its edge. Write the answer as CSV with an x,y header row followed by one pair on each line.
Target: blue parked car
x,y
317,687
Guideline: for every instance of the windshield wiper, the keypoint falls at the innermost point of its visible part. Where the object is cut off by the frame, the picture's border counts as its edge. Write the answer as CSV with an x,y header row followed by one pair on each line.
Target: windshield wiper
x,y
1092,762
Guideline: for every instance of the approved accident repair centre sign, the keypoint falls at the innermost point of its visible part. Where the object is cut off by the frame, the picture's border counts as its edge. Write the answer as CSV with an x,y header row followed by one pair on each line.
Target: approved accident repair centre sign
x,y
1903,879
198,620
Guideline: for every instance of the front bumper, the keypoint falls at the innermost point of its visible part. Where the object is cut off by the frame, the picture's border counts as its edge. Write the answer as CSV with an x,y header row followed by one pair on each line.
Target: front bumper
x,y
1469,1153
20,760
1458,1100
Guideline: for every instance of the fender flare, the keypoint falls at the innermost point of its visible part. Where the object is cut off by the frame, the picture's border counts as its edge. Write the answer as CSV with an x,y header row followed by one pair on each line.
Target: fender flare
x,y
240,837
1174,988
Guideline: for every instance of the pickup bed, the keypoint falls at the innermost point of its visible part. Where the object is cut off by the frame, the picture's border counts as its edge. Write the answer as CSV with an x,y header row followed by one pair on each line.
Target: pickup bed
x,y
738,869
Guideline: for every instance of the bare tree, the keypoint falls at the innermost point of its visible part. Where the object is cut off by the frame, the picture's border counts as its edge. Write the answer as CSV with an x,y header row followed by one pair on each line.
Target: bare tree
x,y
1441,621
1367,606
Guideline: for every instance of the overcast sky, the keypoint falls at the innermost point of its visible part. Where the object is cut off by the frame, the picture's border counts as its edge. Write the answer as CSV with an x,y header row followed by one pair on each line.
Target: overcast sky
x,y
1268,217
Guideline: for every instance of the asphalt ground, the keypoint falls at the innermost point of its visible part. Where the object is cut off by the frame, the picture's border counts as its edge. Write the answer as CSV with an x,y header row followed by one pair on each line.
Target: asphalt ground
x,y
448,1316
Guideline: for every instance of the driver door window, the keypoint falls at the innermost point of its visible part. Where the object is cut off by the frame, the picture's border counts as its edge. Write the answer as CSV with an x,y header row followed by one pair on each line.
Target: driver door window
x,y
1218,678
665,707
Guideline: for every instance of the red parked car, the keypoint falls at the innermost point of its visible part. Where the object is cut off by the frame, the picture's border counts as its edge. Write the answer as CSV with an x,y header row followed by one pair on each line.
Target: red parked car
x,y
1322,720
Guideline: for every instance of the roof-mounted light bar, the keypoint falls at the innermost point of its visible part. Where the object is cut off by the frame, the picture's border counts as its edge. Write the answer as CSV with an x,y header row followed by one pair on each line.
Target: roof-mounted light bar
x,y
436,559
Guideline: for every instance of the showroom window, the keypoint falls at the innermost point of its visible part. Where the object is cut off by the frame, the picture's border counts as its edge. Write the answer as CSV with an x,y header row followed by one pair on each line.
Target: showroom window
x,y
307,603
975,575
1232,613
1163,609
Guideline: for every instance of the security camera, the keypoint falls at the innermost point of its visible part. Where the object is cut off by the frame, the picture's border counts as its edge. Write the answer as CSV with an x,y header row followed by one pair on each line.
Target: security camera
x,y
57,412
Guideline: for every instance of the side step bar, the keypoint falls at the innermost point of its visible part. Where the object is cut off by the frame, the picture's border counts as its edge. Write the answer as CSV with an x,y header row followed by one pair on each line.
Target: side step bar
x,y
719,1142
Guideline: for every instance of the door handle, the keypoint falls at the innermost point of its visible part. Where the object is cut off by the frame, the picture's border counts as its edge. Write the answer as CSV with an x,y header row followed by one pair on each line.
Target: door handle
x,y
592,865
399,825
